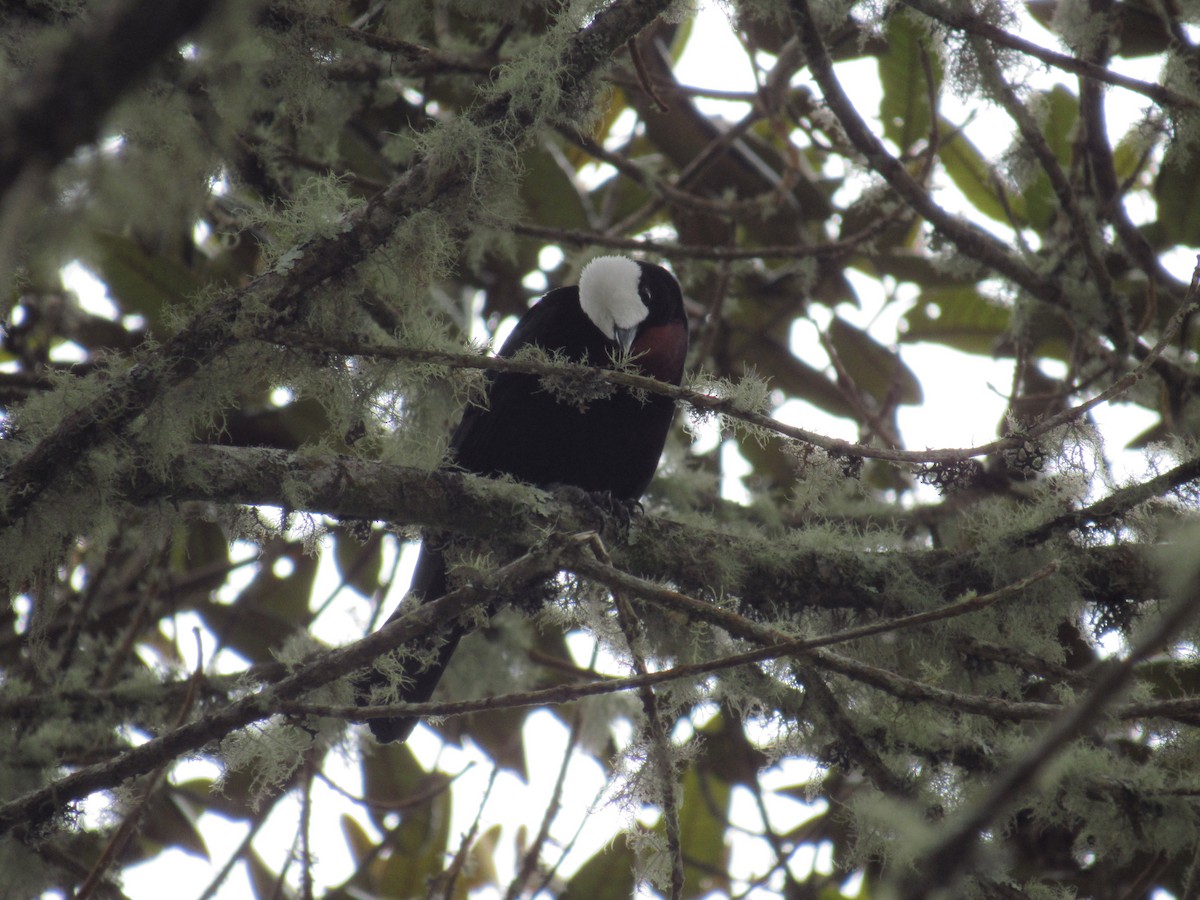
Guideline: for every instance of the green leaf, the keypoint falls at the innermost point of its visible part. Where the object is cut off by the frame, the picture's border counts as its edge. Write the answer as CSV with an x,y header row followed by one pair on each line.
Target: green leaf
x,y
904,108
795,377
606,876
958,317
874,368
1059,113
482,870
170,822
965,320
357,840
141,283
914,266
972,174
359,562
391,776
703,815
268,611
549,194
415,848
1175,191
1132,152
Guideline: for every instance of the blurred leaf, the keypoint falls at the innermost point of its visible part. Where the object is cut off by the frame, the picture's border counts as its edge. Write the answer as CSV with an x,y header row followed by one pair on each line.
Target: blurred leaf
x,y
549,194
1058,113
481,872
904,108
202,552
269,610
614,103
795,377
961,318
142,284
1175,191
417,848
966,320
170,822
392,777
265,881
498,732
1157,433
230,800
358,562
1133,151
874,368
1137,28
728,753
619,197
394,783
914,266
867,212
972,174
703,820
606,876
358,840
286,427
363,156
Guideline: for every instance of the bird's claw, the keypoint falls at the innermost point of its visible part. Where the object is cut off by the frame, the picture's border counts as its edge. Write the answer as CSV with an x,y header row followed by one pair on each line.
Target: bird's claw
x,y
606,507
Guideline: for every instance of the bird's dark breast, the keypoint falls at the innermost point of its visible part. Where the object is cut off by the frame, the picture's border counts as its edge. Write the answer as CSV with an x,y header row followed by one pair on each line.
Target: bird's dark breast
x,y
611,444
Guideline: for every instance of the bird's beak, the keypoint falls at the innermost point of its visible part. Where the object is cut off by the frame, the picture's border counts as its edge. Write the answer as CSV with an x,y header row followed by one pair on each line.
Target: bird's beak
x,y
624,337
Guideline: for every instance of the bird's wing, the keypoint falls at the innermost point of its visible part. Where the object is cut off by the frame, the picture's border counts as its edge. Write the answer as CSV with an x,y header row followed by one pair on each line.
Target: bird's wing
x,y
546,324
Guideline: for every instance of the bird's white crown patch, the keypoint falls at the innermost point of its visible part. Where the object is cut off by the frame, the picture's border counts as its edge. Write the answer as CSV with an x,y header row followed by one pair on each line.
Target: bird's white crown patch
x,y
608,293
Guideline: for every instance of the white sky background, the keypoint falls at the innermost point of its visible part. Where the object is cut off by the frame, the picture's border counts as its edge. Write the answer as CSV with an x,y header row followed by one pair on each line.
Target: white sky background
x,y
958,411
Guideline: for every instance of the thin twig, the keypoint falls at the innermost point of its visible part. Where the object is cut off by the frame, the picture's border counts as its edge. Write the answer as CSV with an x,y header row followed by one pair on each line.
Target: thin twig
x,y
707,403
660,740
775,644
972,24
954,851
529,861
447,879
644,81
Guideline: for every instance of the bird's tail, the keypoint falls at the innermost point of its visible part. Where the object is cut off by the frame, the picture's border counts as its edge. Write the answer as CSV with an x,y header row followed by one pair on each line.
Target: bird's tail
x,y
428,584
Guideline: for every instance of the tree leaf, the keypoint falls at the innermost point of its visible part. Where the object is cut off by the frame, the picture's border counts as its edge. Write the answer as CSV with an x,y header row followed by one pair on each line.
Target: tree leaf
x,y
606,876
359,562
1175,191
961,318
874,368
1058,112
904,107
973,175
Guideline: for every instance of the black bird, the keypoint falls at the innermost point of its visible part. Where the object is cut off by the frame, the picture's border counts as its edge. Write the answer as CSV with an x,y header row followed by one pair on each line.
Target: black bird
x,y
621,308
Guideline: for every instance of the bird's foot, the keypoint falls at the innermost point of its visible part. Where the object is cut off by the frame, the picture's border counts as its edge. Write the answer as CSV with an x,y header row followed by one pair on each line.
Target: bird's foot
x,y
607,508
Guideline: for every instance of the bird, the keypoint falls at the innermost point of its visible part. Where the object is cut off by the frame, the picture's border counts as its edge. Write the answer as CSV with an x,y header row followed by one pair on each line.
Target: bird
x,y
622,310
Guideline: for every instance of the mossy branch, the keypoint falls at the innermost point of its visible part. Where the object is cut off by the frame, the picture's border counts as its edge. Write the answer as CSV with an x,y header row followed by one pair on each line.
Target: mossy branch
x,y
708,403
41,805
62,102
972,24
278,297
704,560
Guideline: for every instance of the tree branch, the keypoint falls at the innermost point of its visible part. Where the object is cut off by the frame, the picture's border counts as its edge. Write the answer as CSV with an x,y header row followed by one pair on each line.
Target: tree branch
x,y
61,103
972,24
967,237
708,403
49,801
954,851
750,566
278,296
